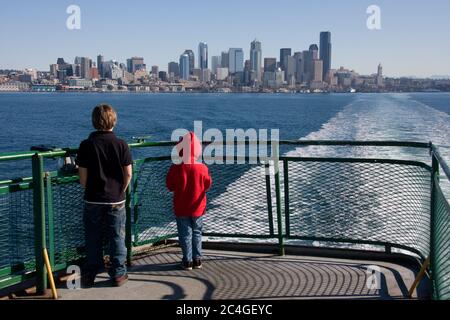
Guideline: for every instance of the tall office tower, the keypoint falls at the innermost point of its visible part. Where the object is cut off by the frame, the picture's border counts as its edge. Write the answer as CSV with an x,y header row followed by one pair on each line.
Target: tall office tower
x,y
299,66
284,53
225,59
325,52
203,55
174,69
317,74
215,63
236,60
290,70
135,63
85,70
185,64
256,59
54,70
248,72
270,64
100,60
162,75
314,49
191,55
155,71
60,62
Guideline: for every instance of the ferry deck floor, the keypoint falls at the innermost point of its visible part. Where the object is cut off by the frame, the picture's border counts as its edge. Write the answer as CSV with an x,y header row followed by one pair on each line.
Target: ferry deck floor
x,y
234,274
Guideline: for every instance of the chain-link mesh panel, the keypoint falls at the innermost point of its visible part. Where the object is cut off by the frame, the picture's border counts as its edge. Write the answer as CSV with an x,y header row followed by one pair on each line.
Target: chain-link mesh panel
x,y
17,230
441,245
379,202
153,213
68,206
237,201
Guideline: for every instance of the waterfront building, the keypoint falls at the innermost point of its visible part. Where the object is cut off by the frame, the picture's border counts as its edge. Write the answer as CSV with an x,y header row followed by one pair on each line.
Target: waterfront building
x,y
81,83
174,69
135,63
256,60
43,88
185,66
15,86
284,53
225,60
236,60
325,52
203,55
270,64
191,56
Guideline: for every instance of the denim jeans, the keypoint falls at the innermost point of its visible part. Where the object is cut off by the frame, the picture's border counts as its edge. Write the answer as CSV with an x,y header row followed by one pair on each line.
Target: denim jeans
x,y
109,219
190,237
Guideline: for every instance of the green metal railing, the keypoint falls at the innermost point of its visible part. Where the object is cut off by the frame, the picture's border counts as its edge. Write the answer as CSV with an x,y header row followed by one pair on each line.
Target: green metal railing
x,y
371,204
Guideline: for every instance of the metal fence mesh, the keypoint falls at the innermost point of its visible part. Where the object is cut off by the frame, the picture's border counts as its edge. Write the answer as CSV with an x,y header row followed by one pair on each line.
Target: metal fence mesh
x,y
68,206
153,217
237,202
441,245
17,230
378,202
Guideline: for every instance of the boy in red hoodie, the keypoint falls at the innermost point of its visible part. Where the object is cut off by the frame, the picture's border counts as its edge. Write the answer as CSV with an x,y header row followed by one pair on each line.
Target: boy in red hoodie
x,y
189,182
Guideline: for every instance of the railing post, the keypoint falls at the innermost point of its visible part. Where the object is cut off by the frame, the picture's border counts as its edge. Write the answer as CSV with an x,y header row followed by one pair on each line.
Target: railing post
x,y
269,198
434,178
276,160
286,197
51,220
39,221
128,228
135,204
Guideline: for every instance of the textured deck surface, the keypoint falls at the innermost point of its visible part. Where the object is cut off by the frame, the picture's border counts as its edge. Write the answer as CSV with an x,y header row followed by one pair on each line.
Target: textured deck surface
x,y
235,275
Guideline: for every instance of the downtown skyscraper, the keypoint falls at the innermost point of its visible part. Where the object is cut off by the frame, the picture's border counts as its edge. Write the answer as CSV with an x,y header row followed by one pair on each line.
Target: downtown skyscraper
x,y
203,55
256,60
185,66
236,60
325,52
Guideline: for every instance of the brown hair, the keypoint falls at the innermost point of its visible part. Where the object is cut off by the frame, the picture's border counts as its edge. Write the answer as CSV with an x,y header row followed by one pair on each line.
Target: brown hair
x,y
104,117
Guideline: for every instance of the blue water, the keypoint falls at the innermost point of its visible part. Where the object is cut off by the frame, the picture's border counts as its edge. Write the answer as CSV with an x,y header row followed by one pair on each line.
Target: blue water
x,y
63,120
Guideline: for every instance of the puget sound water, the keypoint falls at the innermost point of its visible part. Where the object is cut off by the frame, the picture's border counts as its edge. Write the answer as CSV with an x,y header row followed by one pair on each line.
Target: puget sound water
x,y
63,120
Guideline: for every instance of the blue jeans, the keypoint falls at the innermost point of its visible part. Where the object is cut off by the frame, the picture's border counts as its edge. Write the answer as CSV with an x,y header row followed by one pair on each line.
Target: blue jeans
x,y
110,219
190,237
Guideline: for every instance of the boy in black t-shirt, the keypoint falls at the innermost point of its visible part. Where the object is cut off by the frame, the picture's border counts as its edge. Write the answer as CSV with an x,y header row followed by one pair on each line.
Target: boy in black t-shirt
x,y
105,166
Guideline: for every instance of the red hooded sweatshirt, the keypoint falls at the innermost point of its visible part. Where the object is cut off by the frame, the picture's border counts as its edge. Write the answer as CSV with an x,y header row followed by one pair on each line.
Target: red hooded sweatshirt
x,y
189,180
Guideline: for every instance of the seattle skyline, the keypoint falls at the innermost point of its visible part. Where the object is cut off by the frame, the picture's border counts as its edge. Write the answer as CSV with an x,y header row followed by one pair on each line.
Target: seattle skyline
x,y
159,32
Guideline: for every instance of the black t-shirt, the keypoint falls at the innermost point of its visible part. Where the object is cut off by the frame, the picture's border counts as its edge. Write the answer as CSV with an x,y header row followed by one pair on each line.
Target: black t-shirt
x,y
104,156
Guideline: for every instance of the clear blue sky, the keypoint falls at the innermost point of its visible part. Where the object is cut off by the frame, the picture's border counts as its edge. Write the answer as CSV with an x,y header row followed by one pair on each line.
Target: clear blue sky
x,y
414,39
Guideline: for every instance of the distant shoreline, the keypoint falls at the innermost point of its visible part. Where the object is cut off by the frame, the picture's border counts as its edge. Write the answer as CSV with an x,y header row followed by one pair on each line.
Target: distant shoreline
x,y
209,93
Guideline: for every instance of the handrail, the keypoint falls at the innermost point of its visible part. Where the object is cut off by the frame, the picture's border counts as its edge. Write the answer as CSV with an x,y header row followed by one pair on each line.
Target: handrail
x,y
23,155
445,167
